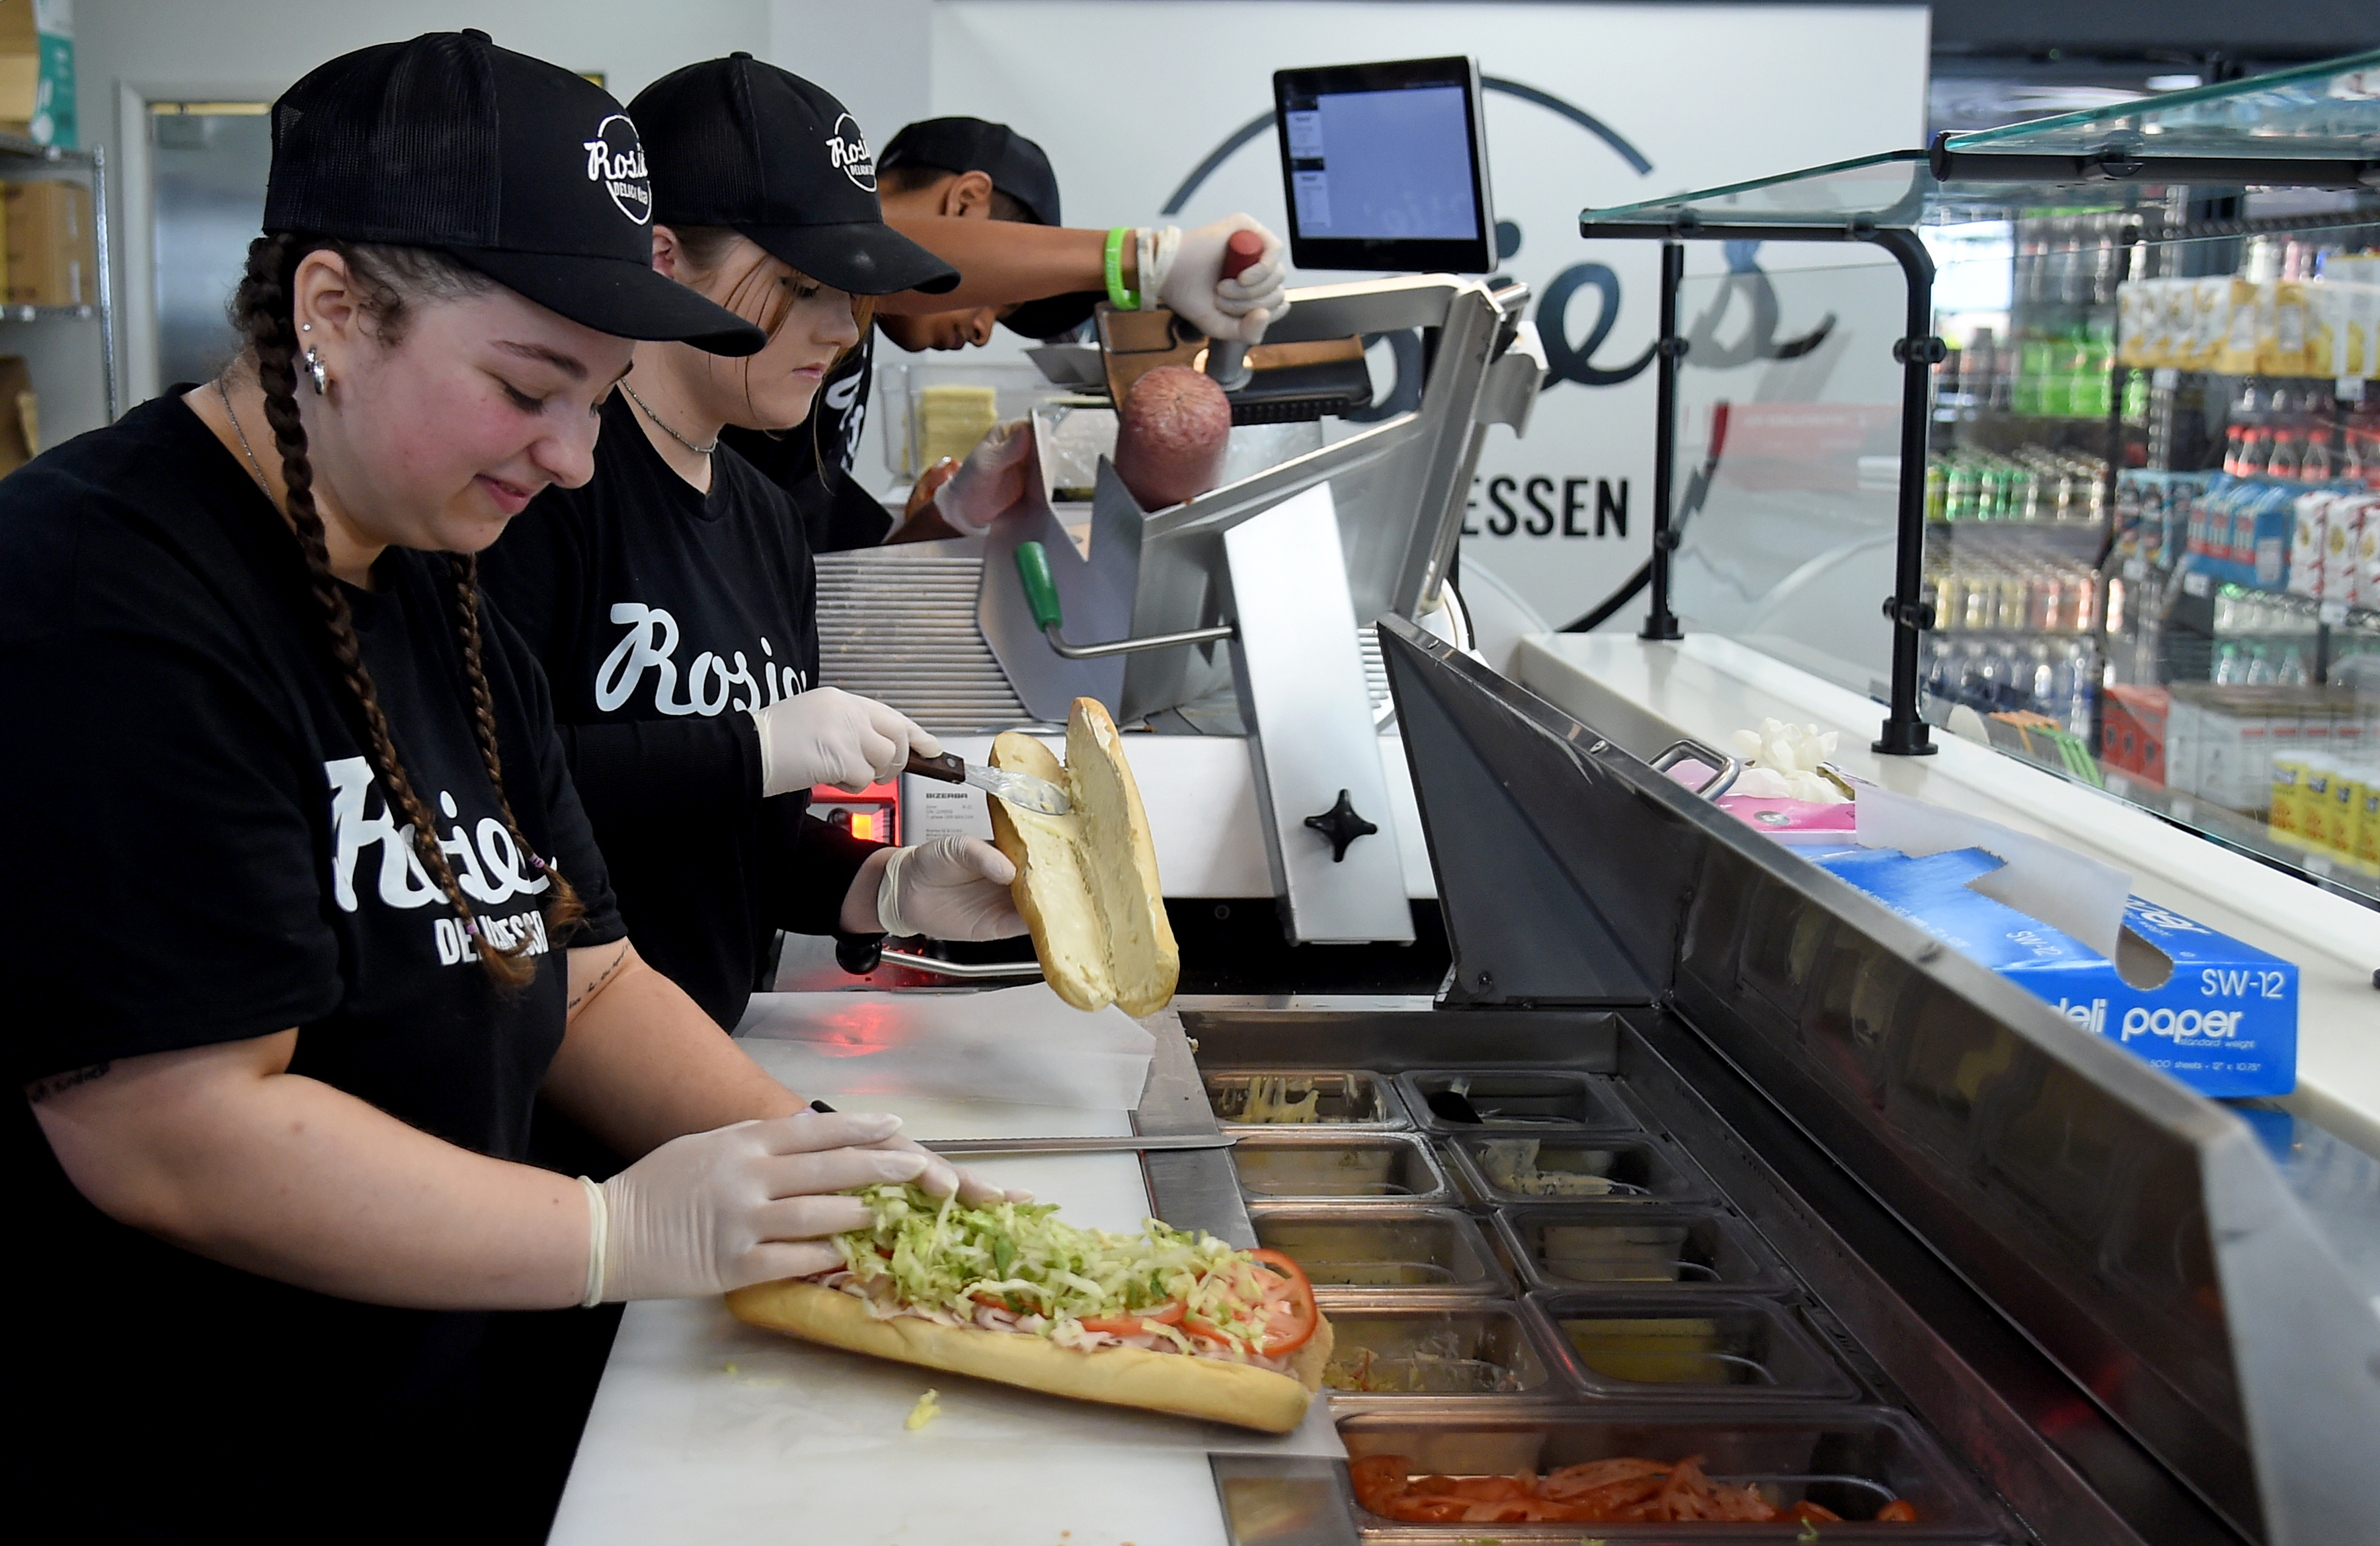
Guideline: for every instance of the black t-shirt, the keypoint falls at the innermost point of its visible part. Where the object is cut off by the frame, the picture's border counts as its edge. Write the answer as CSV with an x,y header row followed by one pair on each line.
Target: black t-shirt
x,y
812,462
201,854
662,615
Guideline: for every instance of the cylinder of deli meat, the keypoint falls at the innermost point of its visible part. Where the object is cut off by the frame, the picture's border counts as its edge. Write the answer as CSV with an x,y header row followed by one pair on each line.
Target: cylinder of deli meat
x,y
1170,438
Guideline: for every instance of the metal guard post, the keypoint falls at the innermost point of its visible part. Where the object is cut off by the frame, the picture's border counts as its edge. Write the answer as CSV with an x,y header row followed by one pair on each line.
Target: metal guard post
x,y
1906,734
1661,621
1906,731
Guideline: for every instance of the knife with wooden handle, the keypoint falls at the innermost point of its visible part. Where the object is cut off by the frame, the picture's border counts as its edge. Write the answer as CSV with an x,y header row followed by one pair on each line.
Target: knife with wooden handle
x,y
1017,789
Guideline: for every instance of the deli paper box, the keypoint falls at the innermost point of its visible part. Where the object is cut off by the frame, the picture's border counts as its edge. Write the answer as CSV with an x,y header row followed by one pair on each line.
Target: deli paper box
x,y
2218,1015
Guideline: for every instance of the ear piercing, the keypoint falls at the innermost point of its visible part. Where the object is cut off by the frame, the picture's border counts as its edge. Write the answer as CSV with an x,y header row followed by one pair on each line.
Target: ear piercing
x,y
316,373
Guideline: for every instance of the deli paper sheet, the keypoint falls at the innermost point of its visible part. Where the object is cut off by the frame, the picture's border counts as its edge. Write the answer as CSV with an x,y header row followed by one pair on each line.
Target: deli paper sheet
x,y
2071,892
1020,1045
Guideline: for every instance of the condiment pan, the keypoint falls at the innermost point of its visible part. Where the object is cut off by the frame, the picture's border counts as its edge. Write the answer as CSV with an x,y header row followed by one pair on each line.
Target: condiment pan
x,y
1630,1248
1570,1167
1286,1165
1369,1249
1742,1348
1850,1459
1514,1100
1340,1098
1444,1348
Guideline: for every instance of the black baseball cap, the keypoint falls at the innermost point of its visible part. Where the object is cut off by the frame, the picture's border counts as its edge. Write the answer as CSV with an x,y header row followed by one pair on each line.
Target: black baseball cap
x,y
1016,165
1018,168
743,144
529,174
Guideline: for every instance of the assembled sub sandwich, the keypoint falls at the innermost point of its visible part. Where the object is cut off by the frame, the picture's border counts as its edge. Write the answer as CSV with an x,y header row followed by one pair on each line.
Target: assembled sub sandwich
x,y
1163,1319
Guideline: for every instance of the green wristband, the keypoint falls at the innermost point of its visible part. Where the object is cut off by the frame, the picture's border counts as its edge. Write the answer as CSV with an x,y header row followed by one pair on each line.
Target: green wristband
x,y
1123,299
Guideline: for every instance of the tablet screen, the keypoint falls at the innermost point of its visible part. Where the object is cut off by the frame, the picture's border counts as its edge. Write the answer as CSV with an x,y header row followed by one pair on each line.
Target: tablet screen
x,y
1384,165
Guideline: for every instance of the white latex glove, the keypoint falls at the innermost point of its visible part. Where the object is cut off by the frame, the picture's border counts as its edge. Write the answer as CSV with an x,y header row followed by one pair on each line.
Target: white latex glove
x,y
828,736
989,480
1193,285
747,1204
950,889
940,1178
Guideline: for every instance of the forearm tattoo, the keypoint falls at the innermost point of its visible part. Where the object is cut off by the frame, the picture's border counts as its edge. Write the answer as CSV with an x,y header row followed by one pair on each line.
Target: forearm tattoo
x,y
610,970
60,1083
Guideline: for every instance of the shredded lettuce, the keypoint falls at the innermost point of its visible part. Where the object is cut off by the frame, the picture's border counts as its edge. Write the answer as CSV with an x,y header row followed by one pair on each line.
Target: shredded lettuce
x,y
943,1255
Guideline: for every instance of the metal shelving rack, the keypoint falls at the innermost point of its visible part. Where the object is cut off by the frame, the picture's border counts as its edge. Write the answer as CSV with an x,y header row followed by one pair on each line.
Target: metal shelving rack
x,y
23,160
2316,127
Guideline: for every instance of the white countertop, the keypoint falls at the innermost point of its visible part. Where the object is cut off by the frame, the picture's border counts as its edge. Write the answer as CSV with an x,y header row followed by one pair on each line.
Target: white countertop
x,y
708,1429
1643,695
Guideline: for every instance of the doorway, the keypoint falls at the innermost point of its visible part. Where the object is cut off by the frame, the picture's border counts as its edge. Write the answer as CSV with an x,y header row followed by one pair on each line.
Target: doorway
x,y
208,161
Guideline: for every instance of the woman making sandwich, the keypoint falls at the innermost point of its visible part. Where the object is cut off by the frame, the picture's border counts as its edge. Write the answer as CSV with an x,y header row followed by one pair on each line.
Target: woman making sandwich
x,y
307,913
672,599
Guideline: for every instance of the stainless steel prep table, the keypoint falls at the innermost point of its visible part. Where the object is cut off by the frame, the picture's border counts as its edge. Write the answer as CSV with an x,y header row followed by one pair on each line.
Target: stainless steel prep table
x,y
2008,1273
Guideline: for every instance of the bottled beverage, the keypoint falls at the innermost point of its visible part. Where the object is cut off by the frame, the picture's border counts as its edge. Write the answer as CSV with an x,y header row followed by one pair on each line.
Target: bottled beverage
x,y
2235,449
2313,464
2031,371
2255,452
2286,458
1959,491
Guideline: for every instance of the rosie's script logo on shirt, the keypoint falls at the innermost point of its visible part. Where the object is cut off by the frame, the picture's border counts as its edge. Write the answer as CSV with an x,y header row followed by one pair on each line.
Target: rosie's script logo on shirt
x,y
650,643
488,865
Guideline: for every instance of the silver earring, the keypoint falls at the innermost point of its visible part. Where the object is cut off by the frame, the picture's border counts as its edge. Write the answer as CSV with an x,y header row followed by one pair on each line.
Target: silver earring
x,y
305,326
315,373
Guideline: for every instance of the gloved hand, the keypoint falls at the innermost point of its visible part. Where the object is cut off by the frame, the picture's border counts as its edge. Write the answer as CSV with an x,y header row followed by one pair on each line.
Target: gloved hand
x,y
828,736
941,1176
747,1204
950,889
1193,285
989,480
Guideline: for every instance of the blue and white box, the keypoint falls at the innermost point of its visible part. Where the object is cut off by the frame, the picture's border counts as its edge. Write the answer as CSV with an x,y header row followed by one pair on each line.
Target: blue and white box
x,y
2217,1014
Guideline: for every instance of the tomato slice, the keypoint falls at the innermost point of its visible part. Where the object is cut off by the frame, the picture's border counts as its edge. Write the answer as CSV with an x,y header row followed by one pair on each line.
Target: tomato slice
x,y
1899,1511
1170,1314
1291,1314
1285,1312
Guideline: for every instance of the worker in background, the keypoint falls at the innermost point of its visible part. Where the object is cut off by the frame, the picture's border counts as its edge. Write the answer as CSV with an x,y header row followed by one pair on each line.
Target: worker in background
x,y
968,169
983,199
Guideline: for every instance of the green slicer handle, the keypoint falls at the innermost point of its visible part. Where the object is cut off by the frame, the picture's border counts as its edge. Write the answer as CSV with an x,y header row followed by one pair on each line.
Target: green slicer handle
x,y
1041,590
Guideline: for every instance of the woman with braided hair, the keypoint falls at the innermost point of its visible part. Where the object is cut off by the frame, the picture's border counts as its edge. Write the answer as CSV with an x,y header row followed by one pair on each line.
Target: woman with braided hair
x,y
304,914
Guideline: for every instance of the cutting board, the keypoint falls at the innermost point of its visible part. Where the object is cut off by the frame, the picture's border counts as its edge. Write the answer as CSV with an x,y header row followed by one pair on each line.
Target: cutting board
x,y
708,1429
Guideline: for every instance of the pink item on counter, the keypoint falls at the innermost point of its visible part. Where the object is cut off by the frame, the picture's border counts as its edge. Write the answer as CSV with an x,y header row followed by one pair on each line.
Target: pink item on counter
x,y
1788,820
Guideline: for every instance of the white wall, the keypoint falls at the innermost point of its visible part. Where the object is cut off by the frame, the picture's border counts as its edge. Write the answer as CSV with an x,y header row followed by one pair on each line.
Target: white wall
x,y
137,51
1127,98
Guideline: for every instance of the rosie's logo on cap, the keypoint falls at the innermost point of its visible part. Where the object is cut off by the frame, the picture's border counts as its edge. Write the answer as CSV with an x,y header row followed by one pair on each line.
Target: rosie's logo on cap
x,y
615,158
848,147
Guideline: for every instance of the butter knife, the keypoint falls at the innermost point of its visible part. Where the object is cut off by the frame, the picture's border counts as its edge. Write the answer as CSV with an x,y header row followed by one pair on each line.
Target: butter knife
x,y
1017,789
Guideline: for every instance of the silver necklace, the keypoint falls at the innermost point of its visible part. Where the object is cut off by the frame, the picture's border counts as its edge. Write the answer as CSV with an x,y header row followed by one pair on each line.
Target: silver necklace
x,y
698,450
255,468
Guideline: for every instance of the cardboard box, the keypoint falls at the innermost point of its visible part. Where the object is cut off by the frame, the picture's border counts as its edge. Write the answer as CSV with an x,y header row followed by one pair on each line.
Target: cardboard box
x,y
52,261
2132,731
2217,1014
2306,543
37,70
2349,534
21,433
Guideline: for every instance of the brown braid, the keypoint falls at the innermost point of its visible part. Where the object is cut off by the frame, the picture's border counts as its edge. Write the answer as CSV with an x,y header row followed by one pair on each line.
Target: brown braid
x,y
263,311
562,907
